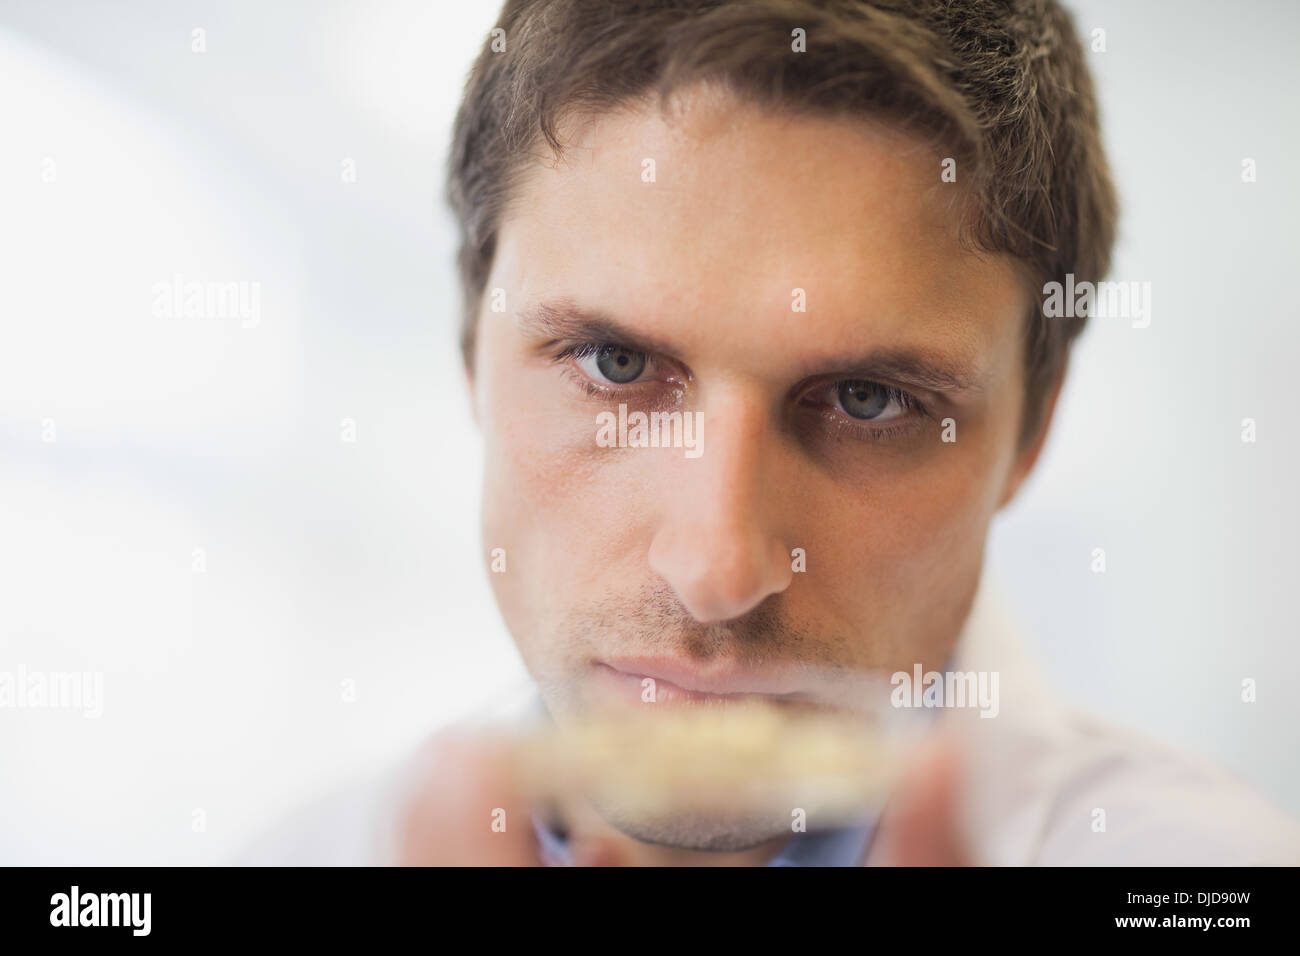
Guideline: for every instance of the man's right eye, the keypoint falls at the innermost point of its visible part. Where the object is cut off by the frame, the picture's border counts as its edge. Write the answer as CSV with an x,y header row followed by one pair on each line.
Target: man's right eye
x,y
610,364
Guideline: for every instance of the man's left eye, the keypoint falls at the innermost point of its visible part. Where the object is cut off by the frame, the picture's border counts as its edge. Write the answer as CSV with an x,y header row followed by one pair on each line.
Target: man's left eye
x,y
612,364
871,401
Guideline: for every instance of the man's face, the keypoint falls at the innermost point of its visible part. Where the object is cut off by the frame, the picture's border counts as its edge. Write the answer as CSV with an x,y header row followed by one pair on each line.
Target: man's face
x,y
822,429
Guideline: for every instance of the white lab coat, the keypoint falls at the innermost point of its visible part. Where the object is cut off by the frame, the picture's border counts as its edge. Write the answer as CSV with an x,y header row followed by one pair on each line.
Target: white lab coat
x,y
1038,772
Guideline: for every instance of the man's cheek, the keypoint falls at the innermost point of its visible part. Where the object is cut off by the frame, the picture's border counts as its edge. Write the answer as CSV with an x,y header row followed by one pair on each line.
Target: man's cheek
x,y
572,510
912,543
927,507
550,456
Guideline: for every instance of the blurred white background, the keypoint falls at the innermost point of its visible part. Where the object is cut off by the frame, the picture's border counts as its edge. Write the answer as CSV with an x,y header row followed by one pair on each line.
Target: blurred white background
x,y
127,159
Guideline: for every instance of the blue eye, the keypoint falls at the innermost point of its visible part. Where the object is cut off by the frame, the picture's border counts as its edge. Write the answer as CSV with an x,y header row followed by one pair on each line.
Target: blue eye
x,y
612,363
871,401
865,400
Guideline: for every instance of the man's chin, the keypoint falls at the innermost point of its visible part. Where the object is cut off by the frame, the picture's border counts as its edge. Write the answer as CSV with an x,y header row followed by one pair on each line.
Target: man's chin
x,y
716,831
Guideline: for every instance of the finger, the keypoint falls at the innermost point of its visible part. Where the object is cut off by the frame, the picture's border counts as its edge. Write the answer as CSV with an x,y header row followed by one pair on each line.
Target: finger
x,y
920,823
469,809
597,852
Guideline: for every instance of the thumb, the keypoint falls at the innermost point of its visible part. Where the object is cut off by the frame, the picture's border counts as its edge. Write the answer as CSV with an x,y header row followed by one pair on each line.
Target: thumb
x,y
919,825
593,851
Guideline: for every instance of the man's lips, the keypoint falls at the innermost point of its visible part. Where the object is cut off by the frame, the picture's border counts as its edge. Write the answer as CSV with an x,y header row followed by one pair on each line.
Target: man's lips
x,y
718,682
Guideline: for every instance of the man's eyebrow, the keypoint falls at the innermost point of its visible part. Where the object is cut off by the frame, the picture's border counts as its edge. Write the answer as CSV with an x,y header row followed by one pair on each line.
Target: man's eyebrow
x,y
563,320
915,368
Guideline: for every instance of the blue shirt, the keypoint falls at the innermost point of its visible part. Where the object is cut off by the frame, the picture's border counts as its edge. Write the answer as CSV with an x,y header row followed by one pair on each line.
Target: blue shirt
x,y
842,847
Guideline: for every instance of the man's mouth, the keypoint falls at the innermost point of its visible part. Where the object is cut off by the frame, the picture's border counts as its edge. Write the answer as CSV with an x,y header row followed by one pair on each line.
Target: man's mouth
x,y
664,680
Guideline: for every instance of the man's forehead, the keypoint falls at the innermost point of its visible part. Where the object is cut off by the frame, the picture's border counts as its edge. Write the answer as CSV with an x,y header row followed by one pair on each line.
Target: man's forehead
x,y
761,223
752,166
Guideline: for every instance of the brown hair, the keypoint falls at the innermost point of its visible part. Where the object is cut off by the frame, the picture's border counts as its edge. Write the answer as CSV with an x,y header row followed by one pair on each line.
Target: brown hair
x,y
1000,84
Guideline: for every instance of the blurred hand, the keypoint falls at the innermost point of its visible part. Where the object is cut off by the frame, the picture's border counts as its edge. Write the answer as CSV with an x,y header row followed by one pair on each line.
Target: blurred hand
x,y
919,824
467,808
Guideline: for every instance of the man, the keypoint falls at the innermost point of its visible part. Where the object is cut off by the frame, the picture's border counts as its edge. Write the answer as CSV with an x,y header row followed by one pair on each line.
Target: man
x,y
819,232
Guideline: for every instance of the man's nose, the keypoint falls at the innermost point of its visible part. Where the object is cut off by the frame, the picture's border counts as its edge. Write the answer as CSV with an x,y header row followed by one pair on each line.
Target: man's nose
x,y
718,544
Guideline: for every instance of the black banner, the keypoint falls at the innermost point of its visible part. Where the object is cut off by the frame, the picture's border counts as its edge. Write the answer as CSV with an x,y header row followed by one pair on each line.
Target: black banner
x,y
226,904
